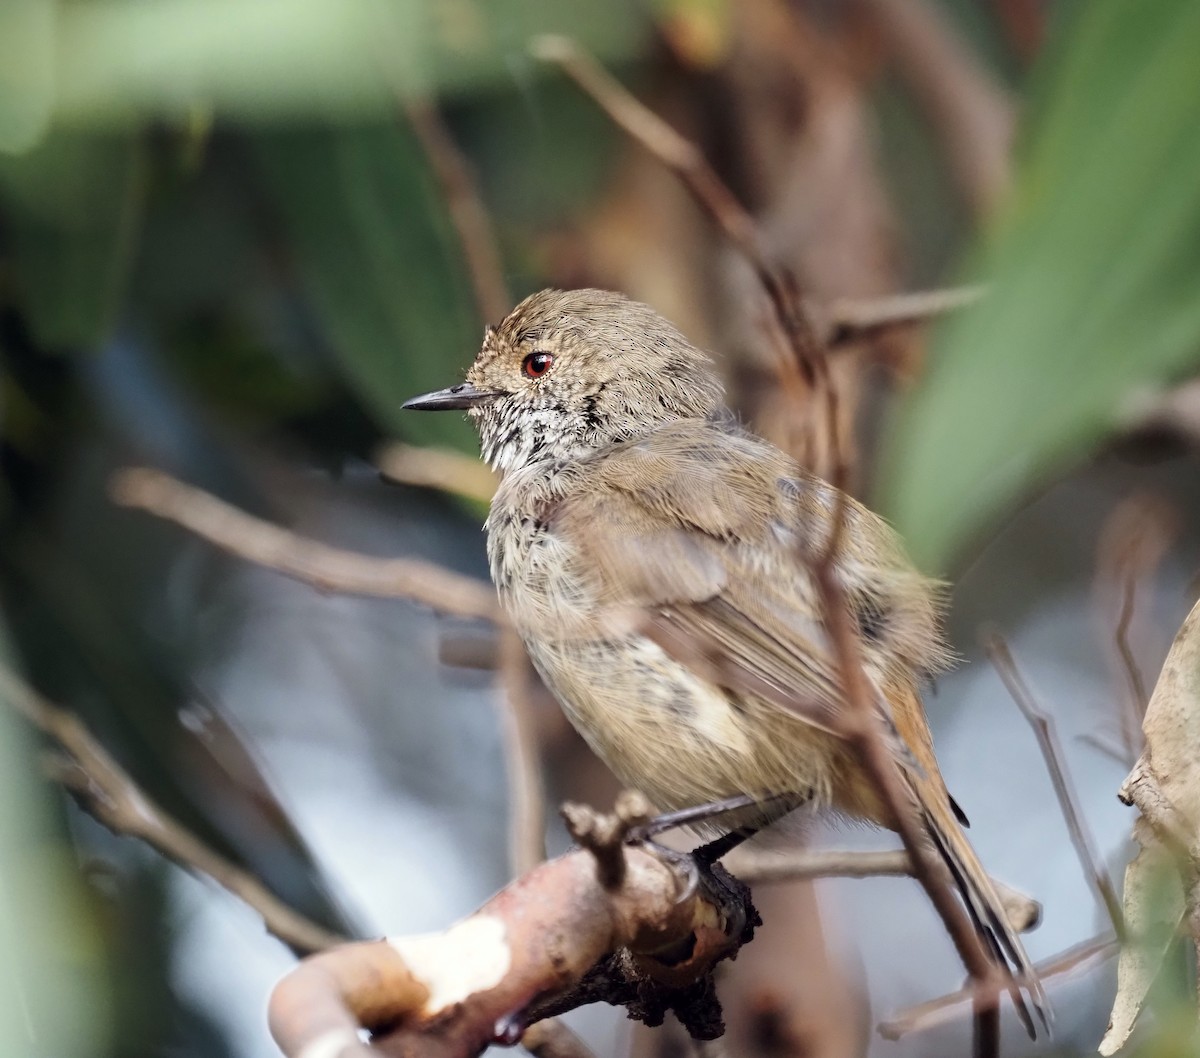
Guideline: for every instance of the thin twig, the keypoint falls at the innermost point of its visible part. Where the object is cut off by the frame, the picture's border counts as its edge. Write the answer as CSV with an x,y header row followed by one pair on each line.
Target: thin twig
x,y
526,797
1047,737
1138,696
325,568
1135,538
758,866
685,159
850,320
106,791
862,730
468,214
946,1008
762,867
437,468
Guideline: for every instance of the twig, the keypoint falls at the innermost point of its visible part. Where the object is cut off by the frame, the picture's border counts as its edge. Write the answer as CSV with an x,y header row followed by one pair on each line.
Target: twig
x,y
685,159
946,1008
467,212
1137,685
862,730
1133,541
325,568
526,797
856,319
437,468
106,791
1047,737
759,867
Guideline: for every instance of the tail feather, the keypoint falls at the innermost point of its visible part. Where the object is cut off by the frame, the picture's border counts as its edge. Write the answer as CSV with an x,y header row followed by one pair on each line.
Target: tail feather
x,y
983,905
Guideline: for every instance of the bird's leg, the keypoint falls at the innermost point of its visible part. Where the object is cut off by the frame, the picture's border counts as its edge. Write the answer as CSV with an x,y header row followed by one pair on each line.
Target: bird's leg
x,y
696,814
773,809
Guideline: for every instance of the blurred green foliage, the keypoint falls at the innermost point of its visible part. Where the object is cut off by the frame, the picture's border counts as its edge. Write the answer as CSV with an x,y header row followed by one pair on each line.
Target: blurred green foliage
x,y
53,994
1092,275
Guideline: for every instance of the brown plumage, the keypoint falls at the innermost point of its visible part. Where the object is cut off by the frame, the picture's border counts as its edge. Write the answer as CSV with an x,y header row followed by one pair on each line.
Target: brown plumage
x,y
656,558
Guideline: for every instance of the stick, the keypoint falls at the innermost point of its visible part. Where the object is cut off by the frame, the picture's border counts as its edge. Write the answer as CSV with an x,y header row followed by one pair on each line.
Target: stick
x,y
325,568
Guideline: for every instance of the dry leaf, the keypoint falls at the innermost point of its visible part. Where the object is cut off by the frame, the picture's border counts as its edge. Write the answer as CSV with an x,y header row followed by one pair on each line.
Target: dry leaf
x,y
1154,907
1165,786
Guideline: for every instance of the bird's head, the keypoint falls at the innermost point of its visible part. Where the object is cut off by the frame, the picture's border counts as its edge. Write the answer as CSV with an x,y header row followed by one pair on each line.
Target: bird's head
x,y
570,371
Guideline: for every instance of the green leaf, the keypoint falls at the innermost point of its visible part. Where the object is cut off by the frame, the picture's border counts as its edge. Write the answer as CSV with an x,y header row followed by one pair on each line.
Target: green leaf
x,y
54,998
71,209
122,60
1092,280
26,72
372,246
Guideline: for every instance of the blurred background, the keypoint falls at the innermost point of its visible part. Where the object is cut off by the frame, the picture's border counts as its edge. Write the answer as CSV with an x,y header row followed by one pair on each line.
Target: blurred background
x,y
236,234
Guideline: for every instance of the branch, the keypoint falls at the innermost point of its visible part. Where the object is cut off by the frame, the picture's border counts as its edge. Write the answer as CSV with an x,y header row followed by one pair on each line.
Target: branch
x,y
1047,738
325,568
551,938
105,790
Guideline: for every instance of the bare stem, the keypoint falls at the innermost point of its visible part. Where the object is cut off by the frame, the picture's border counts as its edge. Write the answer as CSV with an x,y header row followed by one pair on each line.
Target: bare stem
x,y
325,568
857,319
526,797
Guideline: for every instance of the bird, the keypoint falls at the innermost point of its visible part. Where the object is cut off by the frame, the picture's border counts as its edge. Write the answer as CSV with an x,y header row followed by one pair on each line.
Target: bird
x,y
657,560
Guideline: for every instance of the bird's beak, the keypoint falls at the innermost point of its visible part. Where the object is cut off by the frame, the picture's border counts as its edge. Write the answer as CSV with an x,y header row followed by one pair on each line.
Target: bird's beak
x,y
456,398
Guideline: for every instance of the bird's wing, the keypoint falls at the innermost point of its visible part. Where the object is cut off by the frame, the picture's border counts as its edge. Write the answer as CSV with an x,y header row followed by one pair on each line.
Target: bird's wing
x,y
706,540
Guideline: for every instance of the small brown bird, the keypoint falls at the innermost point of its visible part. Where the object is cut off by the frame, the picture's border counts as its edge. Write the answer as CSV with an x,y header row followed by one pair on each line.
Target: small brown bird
x,y
656,559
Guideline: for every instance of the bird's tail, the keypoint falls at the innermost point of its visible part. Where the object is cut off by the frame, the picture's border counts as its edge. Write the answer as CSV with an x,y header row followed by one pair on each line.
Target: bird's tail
x,y
943,821
982,902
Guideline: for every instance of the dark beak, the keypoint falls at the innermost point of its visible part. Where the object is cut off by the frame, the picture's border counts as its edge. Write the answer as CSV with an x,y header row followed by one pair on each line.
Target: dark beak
x,y
456,398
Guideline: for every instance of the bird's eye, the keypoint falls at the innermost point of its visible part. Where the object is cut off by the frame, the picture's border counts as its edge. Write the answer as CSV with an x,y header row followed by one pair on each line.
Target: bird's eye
x,y
537,364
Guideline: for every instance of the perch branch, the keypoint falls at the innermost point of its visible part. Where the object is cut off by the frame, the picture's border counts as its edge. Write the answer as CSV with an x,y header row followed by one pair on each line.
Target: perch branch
x,y
325,568
549,934
106,791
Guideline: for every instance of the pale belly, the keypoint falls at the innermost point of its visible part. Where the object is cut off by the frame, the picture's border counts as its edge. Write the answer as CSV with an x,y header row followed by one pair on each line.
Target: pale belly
x,y
679,739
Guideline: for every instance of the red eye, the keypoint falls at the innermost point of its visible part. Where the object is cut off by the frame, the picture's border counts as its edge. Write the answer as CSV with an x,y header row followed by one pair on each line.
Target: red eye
x,y
537,364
